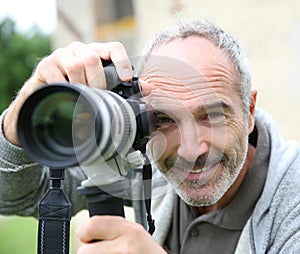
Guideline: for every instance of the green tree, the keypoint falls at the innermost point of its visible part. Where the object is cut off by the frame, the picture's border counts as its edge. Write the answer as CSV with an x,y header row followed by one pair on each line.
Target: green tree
x,y
19,54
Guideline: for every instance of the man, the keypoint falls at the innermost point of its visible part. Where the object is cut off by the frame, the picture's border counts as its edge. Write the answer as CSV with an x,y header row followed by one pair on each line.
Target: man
x,y
235,179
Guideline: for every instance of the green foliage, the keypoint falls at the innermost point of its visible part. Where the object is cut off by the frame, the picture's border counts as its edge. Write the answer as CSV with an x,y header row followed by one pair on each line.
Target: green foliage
x,y
19,54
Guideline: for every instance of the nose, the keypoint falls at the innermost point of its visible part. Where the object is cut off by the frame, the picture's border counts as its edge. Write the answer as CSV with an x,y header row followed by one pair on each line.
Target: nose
x,y
192,144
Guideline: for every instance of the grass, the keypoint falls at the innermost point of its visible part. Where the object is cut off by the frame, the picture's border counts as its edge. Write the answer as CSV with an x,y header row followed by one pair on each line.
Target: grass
x,y
18,235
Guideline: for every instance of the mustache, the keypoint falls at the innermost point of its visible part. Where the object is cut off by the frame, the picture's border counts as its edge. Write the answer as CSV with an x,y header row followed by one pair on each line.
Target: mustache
x,y
204,160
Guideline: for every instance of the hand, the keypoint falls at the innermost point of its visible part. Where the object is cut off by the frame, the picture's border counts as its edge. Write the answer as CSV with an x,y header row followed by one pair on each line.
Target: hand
x,y
77,63
115,235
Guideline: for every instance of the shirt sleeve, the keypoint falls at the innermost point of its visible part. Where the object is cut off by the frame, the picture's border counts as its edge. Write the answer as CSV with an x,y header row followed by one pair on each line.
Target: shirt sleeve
x,y
24,182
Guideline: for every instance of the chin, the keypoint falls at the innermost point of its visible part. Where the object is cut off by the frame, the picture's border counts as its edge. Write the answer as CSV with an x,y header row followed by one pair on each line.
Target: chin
x,y
194,193
203,196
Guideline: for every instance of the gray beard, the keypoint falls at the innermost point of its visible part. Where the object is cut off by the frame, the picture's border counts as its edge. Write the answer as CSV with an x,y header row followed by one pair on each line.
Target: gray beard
x,y
191,191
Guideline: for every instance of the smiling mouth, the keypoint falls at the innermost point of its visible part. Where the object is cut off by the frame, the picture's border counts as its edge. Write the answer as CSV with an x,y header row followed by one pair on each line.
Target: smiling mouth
x,y
200,170
196,171
201,175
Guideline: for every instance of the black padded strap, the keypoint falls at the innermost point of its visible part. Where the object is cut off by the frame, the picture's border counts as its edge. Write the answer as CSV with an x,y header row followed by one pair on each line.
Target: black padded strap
x,y
54,218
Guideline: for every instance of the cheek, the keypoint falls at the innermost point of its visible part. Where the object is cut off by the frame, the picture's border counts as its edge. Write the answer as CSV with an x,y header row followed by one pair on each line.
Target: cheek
x,y
236,128
236,133
158,146
217,137
227,136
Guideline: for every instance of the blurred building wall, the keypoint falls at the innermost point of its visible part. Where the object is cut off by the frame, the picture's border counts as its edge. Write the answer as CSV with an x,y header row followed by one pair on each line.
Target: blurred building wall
x,y
74,22
95,20
268,30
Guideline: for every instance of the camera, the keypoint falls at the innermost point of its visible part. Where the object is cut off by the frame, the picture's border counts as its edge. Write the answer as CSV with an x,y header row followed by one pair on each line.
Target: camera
x,y
64,125
105,132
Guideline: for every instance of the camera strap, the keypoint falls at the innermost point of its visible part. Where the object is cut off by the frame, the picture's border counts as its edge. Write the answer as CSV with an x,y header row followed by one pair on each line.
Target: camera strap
x,y
54,217
147,180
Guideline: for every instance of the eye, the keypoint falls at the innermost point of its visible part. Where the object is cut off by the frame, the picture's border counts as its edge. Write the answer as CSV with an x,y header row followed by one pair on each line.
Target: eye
x,y
214,118
163,120
214,115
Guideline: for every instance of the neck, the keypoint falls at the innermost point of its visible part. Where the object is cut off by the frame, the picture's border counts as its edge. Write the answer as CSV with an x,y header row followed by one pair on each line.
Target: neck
x,y
228,196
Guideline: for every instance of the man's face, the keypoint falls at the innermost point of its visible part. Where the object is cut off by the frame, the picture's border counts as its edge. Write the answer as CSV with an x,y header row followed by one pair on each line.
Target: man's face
x,y
201,134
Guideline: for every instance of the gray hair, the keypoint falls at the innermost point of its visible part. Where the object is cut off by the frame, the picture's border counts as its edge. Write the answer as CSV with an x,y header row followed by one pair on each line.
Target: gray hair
x,y
224,41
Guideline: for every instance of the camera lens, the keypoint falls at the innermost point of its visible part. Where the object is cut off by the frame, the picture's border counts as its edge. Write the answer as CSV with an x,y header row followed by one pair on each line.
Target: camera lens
x,y
56,120
63,125
54,123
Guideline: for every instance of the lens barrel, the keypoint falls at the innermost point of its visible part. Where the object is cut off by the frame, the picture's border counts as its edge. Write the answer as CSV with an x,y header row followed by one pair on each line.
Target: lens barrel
x,y
62,125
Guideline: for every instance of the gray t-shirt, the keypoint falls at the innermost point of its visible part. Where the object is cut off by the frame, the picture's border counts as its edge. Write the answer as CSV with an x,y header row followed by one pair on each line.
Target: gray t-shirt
x,y
219,231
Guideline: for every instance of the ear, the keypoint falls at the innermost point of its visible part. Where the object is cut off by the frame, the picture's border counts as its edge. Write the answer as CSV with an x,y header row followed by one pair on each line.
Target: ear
x,y
252,112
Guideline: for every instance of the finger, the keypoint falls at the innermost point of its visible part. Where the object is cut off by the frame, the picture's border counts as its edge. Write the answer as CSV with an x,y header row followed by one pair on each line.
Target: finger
x,y
91,62
117,235
94,72
116,52
145,87
48,71
102,247
63,62
101,228
39,78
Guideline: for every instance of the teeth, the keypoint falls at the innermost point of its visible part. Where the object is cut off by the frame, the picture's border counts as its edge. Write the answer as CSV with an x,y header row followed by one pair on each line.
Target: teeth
x,y
197,170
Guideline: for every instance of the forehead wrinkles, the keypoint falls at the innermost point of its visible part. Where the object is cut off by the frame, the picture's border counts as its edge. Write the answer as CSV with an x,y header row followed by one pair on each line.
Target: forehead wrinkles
x,y
188,91
179,77
220,73
180,104
186,60
184,94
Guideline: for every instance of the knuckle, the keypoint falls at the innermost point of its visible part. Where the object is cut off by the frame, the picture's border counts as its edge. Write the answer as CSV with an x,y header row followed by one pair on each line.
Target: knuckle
x,y
57,52
74,67
92,59
118,45
75,44
80,250
134,229
90,224
50,59
42,64
126,249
